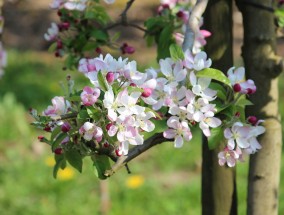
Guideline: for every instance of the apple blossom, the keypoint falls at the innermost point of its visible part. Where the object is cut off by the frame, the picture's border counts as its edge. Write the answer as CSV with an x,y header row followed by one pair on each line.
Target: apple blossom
x,y
90,95
179,131
52,32
197,62
109,1
237,79
91,131
79,5
200,87
59,106
173,71
237,136
229,156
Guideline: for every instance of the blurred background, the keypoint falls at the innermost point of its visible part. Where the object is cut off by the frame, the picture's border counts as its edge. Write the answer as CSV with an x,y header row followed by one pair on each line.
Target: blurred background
x,y
164,180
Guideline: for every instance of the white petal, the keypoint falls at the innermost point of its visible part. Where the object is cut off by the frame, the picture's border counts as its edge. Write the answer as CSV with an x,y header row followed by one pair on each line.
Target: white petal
x,y
178,142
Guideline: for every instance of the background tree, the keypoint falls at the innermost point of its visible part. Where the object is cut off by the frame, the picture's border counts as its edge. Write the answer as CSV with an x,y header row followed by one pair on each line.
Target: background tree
x,y
264,66
219,194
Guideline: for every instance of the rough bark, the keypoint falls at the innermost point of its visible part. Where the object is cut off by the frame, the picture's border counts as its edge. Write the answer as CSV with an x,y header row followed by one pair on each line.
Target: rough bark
x,y
263,66
219,195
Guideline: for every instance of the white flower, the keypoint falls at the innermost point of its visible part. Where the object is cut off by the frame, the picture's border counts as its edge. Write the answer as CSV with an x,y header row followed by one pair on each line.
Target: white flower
x,y
237,79
109,1
79,5
178,130
200,87
128,104
237,135
198,62
90,130
173,71
52,32
59,107
112,103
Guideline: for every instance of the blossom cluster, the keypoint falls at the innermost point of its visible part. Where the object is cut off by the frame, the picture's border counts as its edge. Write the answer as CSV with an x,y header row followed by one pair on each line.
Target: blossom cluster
x,y
123,104
79,18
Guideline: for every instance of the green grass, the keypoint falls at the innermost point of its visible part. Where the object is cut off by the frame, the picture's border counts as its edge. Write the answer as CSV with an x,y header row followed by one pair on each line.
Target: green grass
x,y
172,177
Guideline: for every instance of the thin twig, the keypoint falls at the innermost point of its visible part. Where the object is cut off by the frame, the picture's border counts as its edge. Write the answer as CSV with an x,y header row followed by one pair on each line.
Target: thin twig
x,y
134,152
193,24
124,20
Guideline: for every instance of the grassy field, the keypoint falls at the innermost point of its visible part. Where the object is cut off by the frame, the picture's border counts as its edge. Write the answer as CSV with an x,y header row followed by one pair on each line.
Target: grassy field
x,y
163,181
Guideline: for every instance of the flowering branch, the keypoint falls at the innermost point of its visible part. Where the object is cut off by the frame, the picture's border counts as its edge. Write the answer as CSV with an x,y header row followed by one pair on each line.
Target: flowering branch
x,y
193,24
124,20
135,152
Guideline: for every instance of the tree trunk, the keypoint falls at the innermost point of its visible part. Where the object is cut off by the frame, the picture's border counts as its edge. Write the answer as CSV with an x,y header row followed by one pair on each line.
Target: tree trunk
x,y
219,196
263,66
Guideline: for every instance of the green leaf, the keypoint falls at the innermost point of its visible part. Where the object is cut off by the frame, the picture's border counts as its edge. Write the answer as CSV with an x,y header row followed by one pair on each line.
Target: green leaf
x,y
176,52
221,91
242,102
99,35
101,164
52,47
215,138
102,82
55,132
58,140
74,158
60,162
214,74
164,42
83,115
74,99
115,37
160,126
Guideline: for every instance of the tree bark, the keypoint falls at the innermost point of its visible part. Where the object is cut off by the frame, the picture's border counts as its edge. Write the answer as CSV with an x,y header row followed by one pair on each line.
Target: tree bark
x,y
219,196
263,66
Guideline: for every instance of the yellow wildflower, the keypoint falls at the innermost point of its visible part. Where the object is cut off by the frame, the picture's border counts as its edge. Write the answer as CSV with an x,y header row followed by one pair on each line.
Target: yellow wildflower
x,y
135,181
49,161
65,174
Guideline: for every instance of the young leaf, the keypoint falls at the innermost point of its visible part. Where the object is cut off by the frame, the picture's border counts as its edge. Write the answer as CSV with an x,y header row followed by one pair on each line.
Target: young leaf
x,y
102,82
214,74
60,162
242,102
164,42
176,52
215,138
58,140
221,91
74,158
101,164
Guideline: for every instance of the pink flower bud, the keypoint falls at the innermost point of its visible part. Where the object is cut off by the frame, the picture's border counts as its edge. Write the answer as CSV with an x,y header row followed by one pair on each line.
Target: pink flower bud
x,y
147,92
108,126
106,144
252,120
133,85
40,138
47,128
59,44
65,127
110,77
237,88
126,49
237,114
118,152
98,50
58,151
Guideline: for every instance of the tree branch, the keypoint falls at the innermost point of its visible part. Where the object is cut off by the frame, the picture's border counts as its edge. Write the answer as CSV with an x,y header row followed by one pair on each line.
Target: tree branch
x,y
134,152
193,24
124,20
